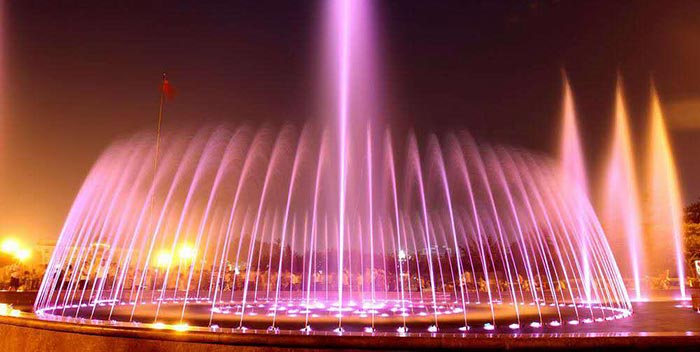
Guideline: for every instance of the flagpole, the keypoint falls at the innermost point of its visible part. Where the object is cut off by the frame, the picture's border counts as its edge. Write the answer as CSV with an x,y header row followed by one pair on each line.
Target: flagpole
x,y
160,122
158,133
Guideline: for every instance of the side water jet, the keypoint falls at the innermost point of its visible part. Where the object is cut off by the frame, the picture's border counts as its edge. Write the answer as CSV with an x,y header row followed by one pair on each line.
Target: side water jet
x,y
574,169
621,210
664,205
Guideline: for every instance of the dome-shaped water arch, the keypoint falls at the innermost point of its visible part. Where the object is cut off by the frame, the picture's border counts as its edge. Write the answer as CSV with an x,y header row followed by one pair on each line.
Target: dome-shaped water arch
x,y
239,228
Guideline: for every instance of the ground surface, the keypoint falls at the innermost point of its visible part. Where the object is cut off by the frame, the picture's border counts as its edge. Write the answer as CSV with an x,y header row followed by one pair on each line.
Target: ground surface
x,y
654,325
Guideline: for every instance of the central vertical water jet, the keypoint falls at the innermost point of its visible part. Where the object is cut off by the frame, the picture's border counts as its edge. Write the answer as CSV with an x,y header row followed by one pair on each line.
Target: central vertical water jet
x,y
350,95
343,97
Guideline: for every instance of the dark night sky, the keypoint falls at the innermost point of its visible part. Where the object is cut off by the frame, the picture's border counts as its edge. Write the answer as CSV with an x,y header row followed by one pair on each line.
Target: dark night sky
x,y
82,73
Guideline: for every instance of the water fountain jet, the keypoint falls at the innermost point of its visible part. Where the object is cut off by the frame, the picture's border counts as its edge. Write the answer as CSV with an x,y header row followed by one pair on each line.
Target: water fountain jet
x,y
621,207
454,218
665,210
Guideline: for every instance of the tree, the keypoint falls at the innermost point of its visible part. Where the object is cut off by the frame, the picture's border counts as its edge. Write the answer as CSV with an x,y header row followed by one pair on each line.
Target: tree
x,y
692,213
692,244
692,234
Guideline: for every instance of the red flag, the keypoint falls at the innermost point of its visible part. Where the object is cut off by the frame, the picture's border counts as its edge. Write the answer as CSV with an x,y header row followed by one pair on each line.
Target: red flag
x,y
167,89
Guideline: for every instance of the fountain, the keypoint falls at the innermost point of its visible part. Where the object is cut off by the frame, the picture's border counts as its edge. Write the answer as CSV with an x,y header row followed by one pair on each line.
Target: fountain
x,y
335,227
645,233
665,209
621,210
574,171
239,227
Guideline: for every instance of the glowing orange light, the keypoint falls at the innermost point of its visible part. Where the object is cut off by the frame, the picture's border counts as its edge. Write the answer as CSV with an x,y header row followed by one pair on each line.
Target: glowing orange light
x,y
187,253
163,259
9,246
22,254
181,327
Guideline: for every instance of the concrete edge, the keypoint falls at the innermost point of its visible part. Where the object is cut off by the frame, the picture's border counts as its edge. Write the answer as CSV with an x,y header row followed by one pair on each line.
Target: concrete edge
x,y
679,340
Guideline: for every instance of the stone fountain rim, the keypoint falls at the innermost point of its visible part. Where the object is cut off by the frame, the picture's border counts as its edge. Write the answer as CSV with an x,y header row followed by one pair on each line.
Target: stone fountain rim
x,y
425,341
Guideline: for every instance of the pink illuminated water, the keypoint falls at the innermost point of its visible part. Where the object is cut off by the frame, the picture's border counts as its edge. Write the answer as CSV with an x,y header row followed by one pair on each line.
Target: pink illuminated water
x,y
573,168
344,19
247,221
571,153
621,208
337,226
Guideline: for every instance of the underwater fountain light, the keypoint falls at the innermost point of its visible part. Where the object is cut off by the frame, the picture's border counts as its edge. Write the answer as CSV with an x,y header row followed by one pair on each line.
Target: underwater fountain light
x,y
181,327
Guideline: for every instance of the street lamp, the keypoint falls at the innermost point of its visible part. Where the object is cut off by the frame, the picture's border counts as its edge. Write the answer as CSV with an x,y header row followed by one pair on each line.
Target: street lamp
x,y
402,254
23,254
187,253
163,259
9,246
15,249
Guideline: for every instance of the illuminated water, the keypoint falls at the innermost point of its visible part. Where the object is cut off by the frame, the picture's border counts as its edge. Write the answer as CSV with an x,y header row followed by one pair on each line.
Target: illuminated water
x,y
574,171
337,226
621,210
645,232
665,209
455,230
